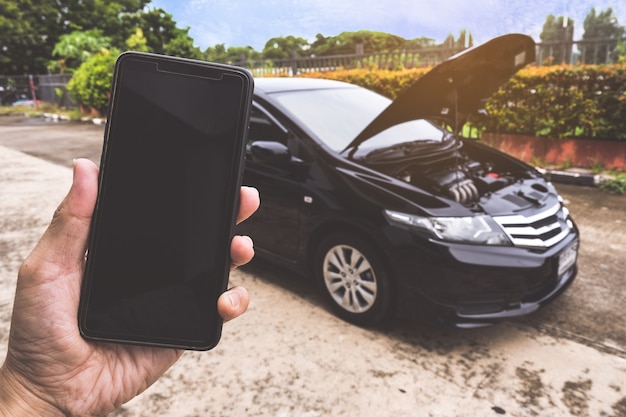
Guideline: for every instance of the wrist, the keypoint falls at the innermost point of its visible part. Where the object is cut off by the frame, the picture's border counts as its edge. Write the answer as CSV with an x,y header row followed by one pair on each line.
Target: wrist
x,y
16,400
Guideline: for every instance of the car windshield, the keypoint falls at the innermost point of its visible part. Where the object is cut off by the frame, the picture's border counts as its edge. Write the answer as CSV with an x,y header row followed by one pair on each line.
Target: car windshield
x,y
336,116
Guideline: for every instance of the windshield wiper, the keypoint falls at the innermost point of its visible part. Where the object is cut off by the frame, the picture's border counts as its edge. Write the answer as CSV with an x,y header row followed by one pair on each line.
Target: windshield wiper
x,y
400,150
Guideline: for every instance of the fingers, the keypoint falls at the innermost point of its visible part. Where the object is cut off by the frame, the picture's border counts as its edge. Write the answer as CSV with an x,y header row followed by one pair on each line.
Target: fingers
x,y
241,248
81,198
233,303
248,203
65,241
241,251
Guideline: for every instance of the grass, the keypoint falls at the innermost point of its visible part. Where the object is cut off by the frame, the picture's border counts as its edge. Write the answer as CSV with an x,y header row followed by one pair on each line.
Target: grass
x,y
616,184
39,111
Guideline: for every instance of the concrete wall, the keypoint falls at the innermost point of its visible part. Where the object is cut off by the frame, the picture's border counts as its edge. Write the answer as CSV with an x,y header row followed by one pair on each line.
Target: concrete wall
x,y
586,153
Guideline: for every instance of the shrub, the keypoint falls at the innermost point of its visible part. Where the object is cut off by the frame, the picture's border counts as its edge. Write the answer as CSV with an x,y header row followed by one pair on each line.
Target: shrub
x,y
556,101
616,184
561,101
91,83
389,83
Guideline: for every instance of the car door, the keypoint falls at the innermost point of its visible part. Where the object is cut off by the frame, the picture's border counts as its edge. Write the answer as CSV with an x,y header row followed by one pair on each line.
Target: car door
x,y
275,226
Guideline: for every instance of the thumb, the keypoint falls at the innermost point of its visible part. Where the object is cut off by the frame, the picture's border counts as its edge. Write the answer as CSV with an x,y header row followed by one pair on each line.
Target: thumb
x,y
65,241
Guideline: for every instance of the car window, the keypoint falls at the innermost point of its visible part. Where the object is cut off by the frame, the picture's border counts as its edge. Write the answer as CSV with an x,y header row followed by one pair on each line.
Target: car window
x,y
262,128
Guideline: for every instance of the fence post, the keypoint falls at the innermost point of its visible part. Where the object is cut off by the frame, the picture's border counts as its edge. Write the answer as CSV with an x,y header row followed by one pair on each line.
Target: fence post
x,y
568,44
294,63
33,91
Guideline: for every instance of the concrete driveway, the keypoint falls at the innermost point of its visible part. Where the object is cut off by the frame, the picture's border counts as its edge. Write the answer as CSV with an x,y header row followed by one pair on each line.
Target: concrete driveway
x,y
289,356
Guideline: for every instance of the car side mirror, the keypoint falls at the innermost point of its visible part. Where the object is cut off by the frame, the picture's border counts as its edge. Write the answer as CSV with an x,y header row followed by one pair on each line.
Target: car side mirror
x,y
269,151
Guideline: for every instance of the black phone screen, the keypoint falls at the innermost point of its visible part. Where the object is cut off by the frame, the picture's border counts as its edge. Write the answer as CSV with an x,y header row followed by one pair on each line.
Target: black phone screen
x,y
169,184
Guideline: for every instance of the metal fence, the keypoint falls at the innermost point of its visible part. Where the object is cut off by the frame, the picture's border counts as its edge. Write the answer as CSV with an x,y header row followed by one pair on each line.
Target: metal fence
x,y
588,51
415,58
52,87
594,51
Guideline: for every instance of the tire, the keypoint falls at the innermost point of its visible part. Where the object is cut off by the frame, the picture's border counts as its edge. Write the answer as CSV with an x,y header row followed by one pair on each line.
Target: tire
x,y
353,279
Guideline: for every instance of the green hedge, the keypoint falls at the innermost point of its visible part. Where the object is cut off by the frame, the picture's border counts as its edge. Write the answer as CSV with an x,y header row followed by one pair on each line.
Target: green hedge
x,y
91,82
555,101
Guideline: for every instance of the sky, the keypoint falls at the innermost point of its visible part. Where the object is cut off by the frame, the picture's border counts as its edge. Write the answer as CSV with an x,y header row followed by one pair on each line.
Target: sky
x,y
254,22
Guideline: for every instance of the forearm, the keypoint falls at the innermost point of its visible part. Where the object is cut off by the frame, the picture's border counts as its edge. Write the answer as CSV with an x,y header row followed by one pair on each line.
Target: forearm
x,y
16,400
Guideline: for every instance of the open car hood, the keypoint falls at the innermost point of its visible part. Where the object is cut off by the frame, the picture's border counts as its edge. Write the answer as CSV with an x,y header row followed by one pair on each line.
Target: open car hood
x,y
457,86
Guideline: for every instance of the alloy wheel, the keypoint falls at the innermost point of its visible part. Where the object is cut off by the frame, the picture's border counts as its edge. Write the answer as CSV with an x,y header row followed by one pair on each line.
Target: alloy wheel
x,y
350,279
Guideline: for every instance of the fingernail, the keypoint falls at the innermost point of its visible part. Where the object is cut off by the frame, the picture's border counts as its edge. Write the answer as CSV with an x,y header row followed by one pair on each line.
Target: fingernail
x,y
253,189
234,298
73,169
250,240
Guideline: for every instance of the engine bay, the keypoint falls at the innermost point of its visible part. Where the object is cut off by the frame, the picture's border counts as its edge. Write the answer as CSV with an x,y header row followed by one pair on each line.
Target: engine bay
x,y
460,172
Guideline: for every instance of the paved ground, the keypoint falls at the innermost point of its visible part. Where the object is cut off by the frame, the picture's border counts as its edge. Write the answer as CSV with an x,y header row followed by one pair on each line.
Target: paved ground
x,y
289,356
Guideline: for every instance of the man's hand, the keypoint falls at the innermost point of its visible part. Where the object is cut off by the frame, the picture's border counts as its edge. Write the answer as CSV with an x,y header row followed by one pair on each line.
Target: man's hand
x,y
50,369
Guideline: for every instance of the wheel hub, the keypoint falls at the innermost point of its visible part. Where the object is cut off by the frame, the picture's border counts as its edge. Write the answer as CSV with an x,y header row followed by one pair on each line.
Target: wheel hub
x,y
350,279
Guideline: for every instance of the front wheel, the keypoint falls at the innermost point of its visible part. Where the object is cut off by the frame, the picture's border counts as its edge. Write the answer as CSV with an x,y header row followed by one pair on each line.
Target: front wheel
x,y
353,279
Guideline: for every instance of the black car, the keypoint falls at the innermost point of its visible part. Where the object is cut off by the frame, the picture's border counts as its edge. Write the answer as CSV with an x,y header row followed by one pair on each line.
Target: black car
x,y
394,213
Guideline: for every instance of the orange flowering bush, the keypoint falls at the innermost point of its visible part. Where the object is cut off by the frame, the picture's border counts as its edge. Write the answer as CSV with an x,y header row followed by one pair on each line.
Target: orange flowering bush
x,y
555,101
386,82
562,101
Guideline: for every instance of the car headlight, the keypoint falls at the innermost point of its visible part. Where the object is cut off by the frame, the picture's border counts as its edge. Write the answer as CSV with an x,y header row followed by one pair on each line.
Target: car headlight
x,y
479,229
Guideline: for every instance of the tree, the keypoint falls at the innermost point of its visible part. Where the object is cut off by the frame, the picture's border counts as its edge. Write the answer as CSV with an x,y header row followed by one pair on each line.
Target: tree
x,y
158,26
216,53
160,33
113,18
30,29
137,42
621,51
75,48
603,32
422,42
462,42
347,43
234,54
557,36
465,40
182,45
285,47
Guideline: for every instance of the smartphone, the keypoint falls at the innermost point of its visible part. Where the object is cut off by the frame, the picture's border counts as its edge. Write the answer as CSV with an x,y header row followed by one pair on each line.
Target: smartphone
x,y
158,255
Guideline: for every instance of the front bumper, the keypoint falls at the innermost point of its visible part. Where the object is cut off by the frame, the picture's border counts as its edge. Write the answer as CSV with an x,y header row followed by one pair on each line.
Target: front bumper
x,y
471,285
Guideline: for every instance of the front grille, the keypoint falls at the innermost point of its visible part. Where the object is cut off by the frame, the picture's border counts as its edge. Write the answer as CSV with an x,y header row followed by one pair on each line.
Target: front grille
x,y
541,230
